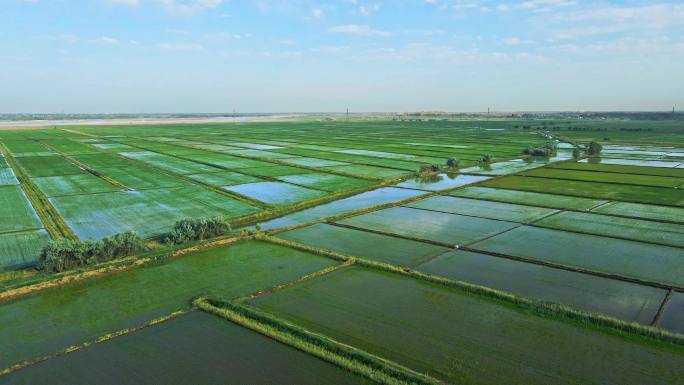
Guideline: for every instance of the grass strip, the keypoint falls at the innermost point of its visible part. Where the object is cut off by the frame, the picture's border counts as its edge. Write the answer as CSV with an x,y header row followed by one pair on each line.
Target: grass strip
x,y
537,307
327,349
98,340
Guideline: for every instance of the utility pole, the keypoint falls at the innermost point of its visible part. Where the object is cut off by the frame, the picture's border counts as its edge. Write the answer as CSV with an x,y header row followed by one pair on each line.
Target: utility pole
x,y
347,113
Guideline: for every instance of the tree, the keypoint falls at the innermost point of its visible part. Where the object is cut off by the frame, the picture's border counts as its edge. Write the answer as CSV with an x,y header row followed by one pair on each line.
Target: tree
x,y
594,148
197,229
452,163
576,153
487,158
428,168
65,254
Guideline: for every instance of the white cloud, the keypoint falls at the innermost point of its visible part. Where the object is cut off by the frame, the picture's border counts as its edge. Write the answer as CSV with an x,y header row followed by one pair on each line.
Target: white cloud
x,y
516,41
181,47
65,38
534,5
360,30
105,40
613,20
131,3
190,6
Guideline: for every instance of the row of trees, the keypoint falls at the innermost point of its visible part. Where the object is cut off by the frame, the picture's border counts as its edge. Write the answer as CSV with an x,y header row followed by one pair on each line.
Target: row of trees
x,y
197,229
66,254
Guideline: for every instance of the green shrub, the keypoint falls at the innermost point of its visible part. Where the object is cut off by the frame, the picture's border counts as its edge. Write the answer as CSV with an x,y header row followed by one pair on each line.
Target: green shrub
x,y
576,153
66,254
594,148
452,163
197,229
487,158
549,148
428,168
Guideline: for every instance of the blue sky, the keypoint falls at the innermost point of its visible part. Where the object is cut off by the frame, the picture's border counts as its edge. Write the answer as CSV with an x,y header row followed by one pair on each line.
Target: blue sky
x,y
300,55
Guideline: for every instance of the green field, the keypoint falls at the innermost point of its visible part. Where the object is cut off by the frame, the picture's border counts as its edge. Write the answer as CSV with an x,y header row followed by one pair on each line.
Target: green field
x,y
363,244
445,228
95,307
360,201
441,182
668,172
522,270
483,209
38,166
594,190
222,352
673,317
226,178
623,300
21,249
653,212
275,193
634,229
54,186
464,339
148,212
527,198
606,177
7,177
325,182
630,259
14,205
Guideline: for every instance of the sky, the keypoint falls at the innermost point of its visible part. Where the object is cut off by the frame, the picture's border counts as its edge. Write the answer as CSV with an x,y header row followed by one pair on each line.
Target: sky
x,y
146,56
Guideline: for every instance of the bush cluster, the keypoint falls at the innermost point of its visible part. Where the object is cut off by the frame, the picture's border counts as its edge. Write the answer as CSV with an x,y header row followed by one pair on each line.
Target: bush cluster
x,y
594,148
65,254
548,149
197,229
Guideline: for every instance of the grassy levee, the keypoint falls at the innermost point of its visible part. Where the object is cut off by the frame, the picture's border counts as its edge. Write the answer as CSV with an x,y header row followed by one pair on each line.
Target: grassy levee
x,y
345,356
52,221
537,307
84,166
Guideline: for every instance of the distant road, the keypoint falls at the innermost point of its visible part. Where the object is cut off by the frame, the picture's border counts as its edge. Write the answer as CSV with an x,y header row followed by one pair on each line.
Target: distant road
x,y
89,122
